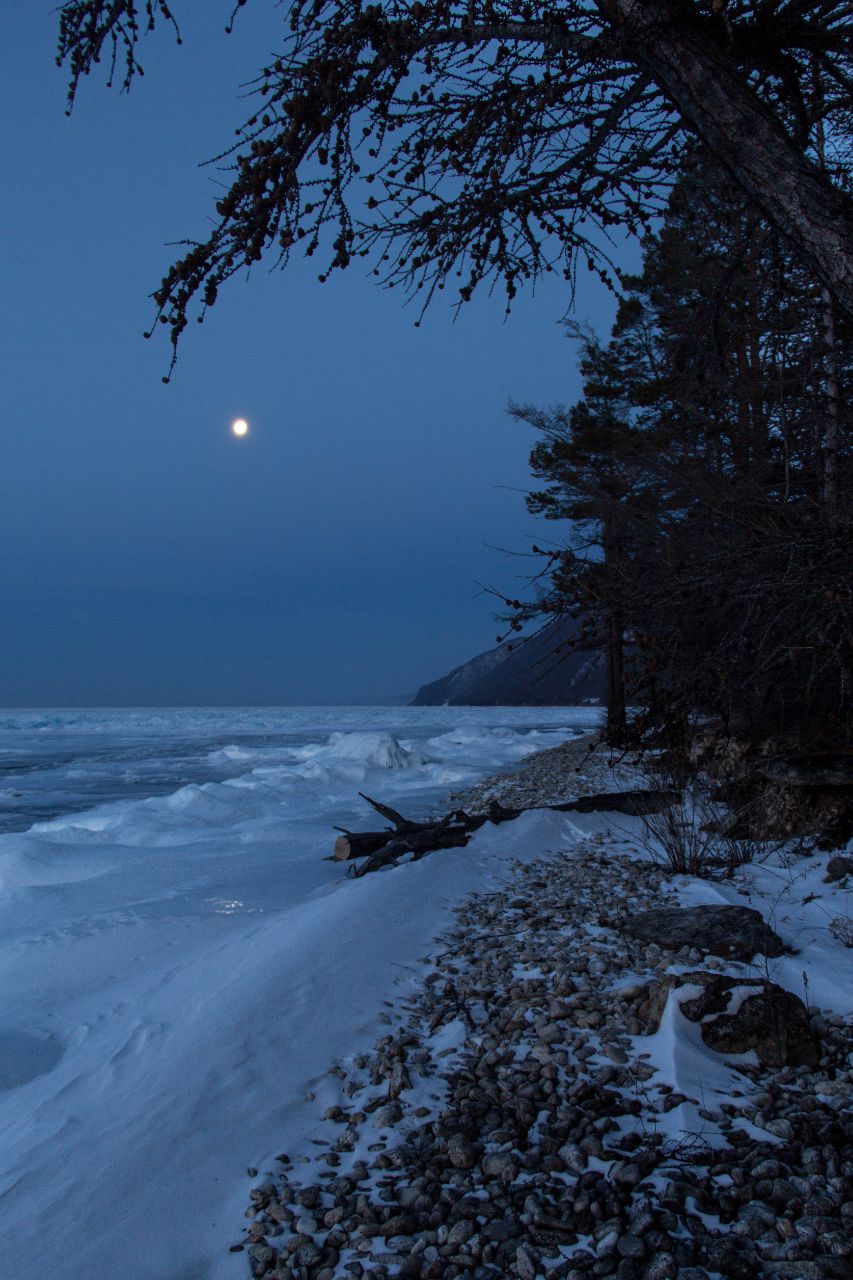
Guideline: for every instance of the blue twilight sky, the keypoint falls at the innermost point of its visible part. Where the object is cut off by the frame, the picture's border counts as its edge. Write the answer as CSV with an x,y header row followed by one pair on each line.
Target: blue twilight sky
x,y
147,555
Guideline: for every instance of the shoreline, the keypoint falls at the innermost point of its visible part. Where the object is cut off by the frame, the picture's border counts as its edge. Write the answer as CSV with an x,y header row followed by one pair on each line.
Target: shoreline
x,y
180,970
521,1117
575,768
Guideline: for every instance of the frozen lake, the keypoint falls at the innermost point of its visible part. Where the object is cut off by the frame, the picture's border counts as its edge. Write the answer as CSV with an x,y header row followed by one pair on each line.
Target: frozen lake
x,y
179,963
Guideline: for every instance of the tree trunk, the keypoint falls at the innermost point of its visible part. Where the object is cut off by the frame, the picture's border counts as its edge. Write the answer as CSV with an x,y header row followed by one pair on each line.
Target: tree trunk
x,y
831,442
832,427
688,59
616,722
614,654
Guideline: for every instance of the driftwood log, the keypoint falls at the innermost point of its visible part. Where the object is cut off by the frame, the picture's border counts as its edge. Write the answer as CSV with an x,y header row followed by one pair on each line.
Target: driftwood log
x,y
384,848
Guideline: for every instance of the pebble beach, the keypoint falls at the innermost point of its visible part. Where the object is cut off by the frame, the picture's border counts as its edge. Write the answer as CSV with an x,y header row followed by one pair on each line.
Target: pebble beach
x,y
539,1105
553,776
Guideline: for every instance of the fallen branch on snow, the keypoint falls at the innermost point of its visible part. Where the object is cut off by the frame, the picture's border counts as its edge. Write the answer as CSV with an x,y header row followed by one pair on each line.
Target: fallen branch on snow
x,y
381,849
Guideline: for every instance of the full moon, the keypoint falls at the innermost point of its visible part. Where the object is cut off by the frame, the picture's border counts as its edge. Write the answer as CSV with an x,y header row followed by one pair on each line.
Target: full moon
x,y
240,426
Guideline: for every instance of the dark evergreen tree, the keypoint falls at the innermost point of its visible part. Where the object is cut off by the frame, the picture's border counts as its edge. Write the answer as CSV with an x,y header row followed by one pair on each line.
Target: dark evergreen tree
x,y
702,438
590,458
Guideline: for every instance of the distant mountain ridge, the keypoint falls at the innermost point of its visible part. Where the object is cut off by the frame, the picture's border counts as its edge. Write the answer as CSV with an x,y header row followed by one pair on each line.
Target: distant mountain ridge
x,y
535,671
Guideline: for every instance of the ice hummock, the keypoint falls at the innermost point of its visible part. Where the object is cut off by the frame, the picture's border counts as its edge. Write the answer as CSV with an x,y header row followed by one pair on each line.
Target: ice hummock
x,y
374,751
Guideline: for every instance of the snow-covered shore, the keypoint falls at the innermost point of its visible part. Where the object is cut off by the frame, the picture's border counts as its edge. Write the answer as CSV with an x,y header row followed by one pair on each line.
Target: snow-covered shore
x,y
179,965
521,1116
211,986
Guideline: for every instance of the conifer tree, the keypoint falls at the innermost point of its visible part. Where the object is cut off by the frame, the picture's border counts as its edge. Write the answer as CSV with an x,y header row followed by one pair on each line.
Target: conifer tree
x,y
732,576
586,457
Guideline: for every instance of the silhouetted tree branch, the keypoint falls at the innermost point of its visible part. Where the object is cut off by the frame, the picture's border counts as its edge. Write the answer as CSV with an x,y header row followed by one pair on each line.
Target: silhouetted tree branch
x,y
494,140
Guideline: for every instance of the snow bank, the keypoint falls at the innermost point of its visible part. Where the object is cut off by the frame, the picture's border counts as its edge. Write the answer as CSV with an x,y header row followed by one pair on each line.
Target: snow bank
x,y
168,1079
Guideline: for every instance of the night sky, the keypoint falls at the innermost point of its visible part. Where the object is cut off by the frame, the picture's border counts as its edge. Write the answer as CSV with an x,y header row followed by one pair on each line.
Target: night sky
x,y
149,557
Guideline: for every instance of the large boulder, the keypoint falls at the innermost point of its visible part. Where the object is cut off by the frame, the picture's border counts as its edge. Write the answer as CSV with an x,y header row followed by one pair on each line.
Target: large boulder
x,y
736,933
773,1022
739,1015
822,770
839,867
